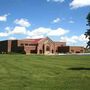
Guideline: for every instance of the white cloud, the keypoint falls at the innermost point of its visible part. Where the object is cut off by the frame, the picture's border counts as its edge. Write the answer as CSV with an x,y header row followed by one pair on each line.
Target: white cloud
x,y
3,34
71,21
4,17
15,30
42,32
19,30
56,1
58,32
12,38
38,32
22,22
35,37
79,3
56,20
75,40
6,33
7,28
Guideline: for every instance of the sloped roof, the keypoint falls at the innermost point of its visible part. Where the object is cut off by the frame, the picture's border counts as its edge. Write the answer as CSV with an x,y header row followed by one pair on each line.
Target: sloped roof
x,y
33,41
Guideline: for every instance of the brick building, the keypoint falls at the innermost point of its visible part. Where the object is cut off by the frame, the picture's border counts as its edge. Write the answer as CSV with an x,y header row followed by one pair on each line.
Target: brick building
x,y
72,49
37,46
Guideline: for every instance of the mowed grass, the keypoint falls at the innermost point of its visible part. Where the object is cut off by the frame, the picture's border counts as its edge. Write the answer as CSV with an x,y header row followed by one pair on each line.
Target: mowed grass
x,y
38,72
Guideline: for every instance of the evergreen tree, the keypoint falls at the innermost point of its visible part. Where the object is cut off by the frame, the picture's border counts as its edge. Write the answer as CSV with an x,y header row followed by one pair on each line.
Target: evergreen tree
x,y
87,33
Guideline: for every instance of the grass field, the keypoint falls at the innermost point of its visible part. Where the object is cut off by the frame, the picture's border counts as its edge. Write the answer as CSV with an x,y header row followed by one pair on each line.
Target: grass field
x,y
35,72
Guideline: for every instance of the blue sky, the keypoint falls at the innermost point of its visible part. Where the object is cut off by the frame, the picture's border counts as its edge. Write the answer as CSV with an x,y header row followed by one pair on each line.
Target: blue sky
x,y
61,20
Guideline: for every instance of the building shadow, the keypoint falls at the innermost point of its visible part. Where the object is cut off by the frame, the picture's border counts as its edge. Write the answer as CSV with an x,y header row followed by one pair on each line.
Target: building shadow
x,y
78,68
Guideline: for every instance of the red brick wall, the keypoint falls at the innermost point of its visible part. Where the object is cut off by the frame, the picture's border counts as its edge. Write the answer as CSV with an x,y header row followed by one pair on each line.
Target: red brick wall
x,y
76,49
9,46
72,49
44,44
58,45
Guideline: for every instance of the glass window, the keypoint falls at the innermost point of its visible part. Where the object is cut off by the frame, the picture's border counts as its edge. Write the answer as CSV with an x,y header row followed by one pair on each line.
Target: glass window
x,y
47,48
22,44
26,44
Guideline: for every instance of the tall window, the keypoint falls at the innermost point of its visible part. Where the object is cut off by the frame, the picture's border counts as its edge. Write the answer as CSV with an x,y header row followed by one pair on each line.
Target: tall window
x,y
26,44
52,51
47,48
21,44
72,51
40,51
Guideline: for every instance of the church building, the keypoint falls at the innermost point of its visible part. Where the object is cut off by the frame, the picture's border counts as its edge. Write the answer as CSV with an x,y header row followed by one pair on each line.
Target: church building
x,y
37,46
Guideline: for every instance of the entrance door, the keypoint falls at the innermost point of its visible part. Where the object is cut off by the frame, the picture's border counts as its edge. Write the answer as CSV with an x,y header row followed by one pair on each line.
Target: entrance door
x,y
47,51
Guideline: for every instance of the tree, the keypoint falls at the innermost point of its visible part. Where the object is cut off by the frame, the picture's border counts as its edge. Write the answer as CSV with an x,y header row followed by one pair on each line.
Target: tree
x,y
87,33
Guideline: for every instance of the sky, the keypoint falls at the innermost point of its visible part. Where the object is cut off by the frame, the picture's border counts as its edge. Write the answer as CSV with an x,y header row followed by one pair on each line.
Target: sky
x,y
60,20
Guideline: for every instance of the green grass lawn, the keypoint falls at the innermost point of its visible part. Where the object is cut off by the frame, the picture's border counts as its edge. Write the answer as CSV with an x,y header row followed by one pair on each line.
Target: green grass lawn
x,y
35,72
